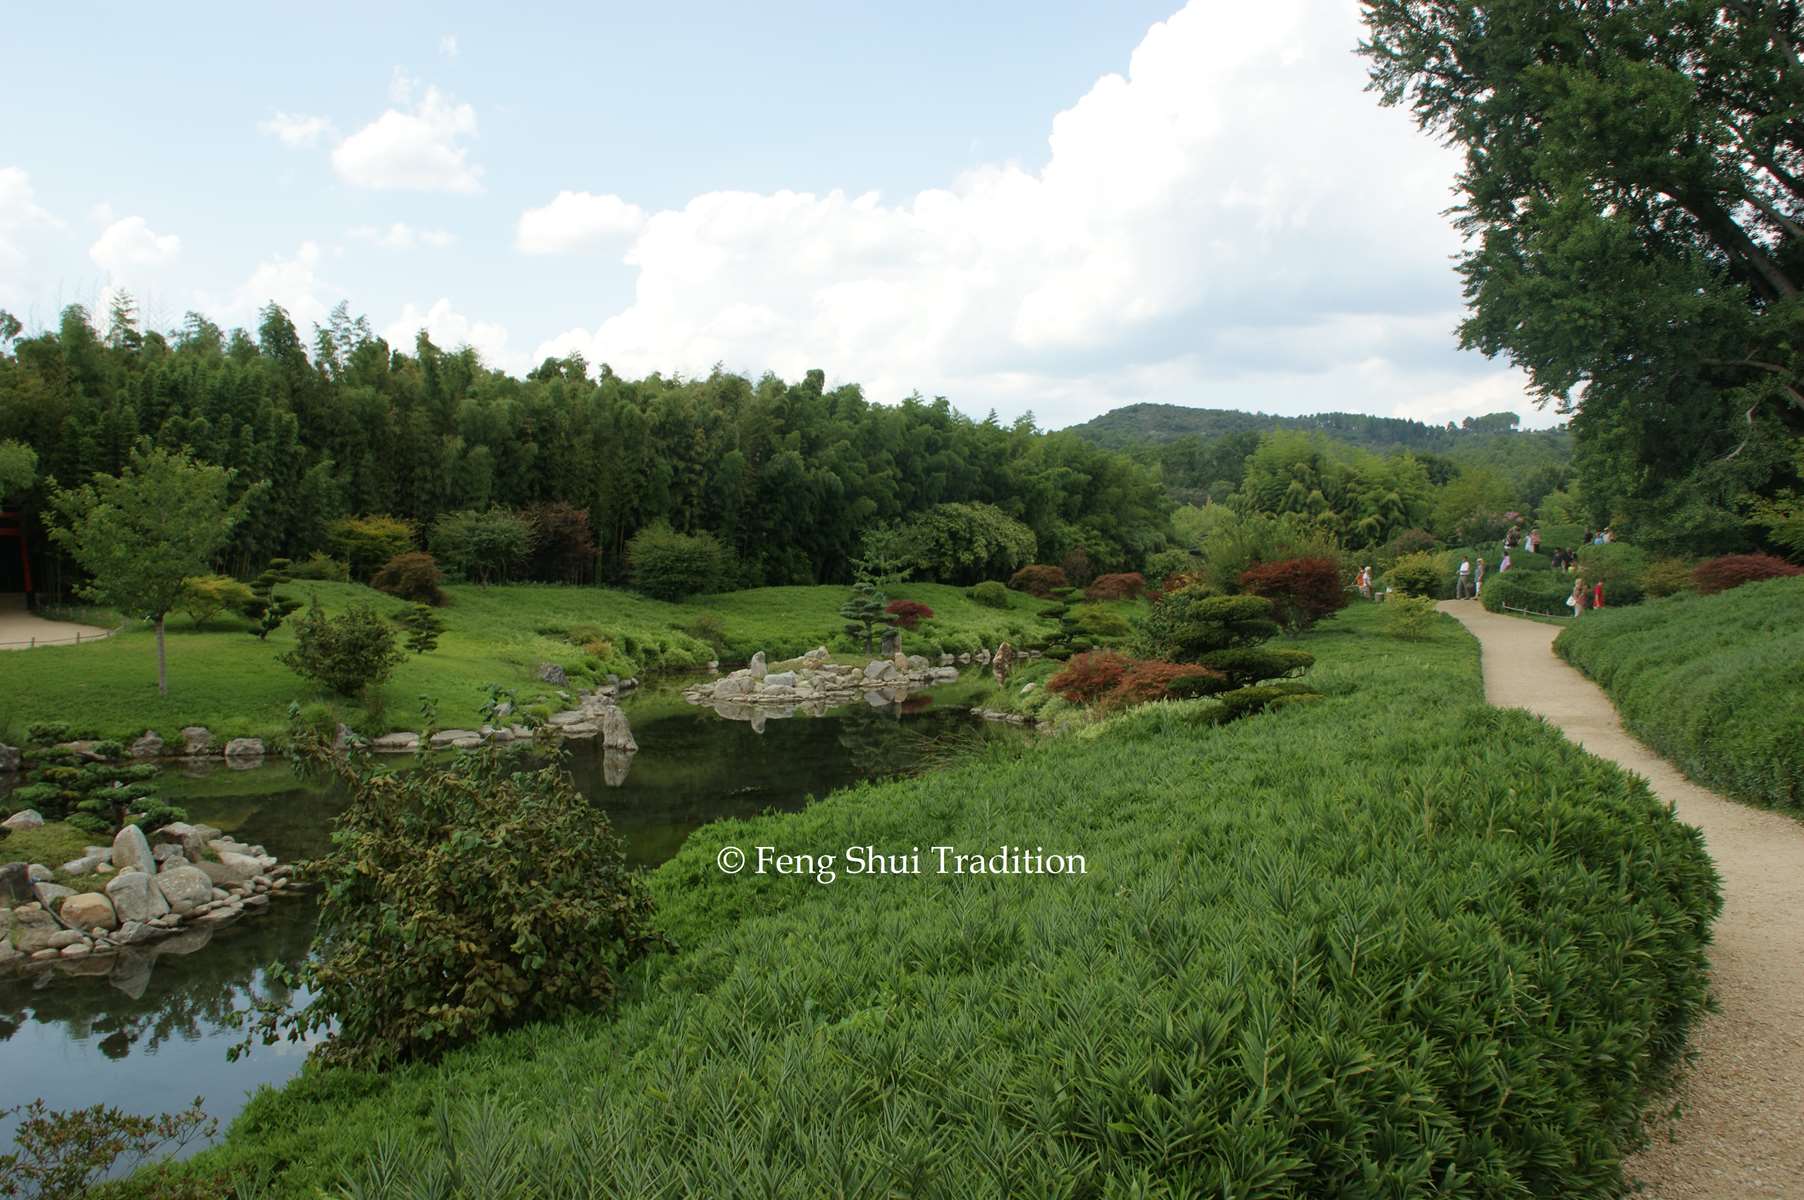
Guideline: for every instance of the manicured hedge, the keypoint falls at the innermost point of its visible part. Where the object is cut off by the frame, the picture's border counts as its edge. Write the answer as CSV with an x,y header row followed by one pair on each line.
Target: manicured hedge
x,y
1715,683
1391,943
1537,588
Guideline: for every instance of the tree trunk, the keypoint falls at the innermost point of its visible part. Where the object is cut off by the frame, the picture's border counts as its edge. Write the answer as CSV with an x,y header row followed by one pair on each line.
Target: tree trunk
x,y
162,661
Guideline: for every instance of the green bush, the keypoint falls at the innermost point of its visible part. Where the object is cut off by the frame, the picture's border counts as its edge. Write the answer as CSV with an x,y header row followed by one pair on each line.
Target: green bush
x,y
365,543
1532,589
668,565
1666,577
1184,625
206,596
1562,537
1391,942
1100,621
484,545
990,594
322,567
1715,683
1412,617
459,899
1613,563
347,653
1415,575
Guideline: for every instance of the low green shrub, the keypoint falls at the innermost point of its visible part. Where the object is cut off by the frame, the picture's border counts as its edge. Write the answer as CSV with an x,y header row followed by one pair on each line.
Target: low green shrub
x,y
413,576
320,566
1666,577
1530,589
990,594
1099,621
1415,574
206,596
1614,564
668,565
1412,617
1715,683
347,653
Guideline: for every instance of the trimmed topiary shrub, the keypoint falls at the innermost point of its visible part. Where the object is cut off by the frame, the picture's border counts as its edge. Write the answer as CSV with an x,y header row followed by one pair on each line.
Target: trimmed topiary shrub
x,y
1038,579
1302,590
412,576
990,594
668,565
322,567
1415,575
1528,589
1732,570
206,596
1666,577
1100,622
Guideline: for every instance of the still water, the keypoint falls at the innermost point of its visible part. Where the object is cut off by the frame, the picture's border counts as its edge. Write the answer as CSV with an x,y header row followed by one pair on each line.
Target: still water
x,y
148,1031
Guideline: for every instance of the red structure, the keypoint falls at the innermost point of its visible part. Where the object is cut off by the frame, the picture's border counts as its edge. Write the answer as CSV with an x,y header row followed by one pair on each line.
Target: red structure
x,y
15,572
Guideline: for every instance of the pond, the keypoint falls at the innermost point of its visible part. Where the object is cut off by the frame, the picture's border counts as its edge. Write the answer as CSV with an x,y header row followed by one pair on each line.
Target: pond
x,y
148,1032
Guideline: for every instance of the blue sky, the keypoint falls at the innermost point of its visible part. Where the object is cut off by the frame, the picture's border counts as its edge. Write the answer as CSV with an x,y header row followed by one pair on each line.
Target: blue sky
x,y
1058,207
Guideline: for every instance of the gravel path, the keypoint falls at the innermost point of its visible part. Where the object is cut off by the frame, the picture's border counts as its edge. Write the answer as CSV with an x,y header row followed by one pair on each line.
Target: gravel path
x,y
18,627
1741,1127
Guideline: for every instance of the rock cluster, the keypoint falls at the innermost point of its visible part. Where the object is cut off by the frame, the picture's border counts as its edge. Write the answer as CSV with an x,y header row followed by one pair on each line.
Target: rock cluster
x,y
193,876
815,683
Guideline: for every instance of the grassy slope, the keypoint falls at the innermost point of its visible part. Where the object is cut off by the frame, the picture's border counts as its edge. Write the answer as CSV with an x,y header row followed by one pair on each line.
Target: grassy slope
x,y
1384,931
1715,683
225,679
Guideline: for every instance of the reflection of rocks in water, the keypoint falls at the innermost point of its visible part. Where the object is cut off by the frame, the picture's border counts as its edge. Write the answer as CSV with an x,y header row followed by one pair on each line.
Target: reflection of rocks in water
x,y
131,974
116,1045
614,766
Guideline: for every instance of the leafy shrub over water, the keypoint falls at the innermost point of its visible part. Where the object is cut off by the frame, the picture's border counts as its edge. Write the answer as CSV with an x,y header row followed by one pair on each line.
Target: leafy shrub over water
x,y
1715,683
460,899
1732,570
1388,943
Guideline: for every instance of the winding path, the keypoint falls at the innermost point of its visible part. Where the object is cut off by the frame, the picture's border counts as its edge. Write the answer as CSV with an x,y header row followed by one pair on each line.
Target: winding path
x,y
20,628
1741,1126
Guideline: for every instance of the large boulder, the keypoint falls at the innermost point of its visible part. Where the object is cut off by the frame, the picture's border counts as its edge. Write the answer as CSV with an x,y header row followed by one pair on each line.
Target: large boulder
x,y
456,739
780,679
1002,662
878,670
147,746
185,888
733,685
33,929
135,897
244,748
193,839
88,910
49,893
132,849
28,818
197,740
402,742
15,884
757,666
616,734
551,673
232,867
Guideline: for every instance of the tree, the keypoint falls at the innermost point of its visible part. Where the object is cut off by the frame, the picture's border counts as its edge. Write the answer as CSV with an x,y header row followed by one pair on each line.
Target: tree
x,y
265,609
966,543
206,596
484,546
863,612
142,534
669,565
348,653
18,468
422,626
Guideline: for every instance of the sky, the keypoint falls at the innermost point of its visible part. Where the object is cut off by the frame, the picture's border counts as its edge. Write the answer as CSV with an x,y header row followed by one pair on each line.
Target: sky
x,y
1055,207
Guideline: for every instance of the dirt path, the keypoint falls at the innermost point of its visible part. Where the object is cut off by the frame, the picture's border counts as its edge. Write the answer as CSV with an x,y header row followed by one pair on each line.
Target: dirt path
x,y
18,628
1741,1128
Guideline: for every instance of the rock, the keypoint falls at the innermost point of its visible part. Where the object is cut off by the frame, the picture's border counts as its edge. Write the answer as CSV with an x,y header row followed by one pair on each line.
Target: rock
x,y
1002,662
1028,687
616,734
732,685
168,852
981,658
757,668
39,873
137,933
15,883
878,669
582,729
244,748
42,955
944,675
28,818
218,915
78,950
88,910
63,938
81,866
197,740
216,895
343,738
448,738
964,660
49,893
900,661
551,673
400,742
568,717
255,901
147,746
33,930
131,974
780,679
892,641
132,849
135,897
185,888
242,866
192,840
10,758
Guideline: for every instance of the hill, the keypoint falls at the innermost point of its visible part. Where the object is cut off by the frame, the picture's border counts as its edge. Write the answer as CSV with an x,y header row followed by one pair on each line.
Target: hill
x,y
1138,424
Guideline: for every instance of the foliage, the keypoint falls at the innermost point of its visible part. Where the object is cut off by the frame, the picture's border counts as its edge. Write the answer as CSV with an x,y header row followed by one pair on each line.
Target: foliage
x,y
965,543
908,613
206,596
412,576
365,543
460,899
322,567
1038,579
1184,625
423,627
349,653
1078,568
1244,666
1145,682
1313,916
141,534
1410,541
61,1155
1733,570
1411,617
1241,542
484,545
1329,493
96,797
1612,563
563,543
18,468
1417,574
1713,682
1302,590
1087,678
863,611
668,565
1666,577
1124,586
1162,566
265,609
990,594
1100,622
1527,588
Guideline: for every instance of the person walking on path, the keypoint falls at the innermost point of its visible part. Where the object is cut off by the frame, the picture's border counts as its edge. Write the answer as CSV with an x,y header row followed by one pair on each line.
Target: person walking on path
x,y
1576,601
1597,595
1464,589
1478,578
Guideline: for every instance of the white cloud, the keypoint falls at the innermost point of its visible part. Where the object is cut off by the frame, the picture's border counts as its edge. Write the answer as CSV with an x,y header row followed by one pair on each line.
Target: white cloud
x,y
451,330
295,130
414,147
402,236
19,214
292,281
575,221
447,45
128,247
1233,221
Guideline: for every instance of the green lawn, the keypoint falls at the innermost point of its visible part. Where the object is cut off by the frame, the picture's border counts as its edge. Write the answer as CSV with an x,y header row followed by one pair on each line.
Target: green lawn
x,y
1390,942
222,677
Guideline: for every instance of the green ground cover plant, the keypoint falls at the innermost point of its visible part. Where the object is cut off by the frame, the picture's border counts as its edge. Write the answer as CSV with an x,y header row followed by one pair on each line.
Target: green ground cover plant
x,y
1391,943
234,685
1715,683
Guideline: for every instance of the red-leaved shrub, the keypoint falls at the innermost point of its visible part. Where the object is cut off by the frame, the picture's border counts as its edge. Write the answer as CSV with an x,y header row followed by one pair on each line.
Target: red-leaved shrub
x,y
1087,678
908,613
1116,587
412,576
1732,570
1038,579
1302,590
1146,682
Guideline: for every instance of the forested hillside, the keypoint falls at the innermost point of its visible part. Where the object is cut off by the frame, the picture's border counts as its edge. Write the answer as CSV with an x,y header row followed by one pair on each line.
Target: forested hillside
x,y
788,475
1137,423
